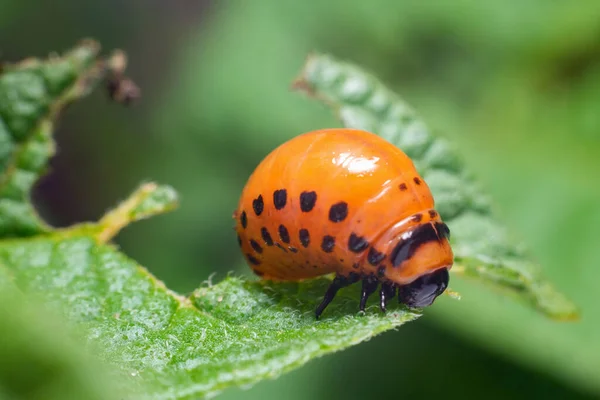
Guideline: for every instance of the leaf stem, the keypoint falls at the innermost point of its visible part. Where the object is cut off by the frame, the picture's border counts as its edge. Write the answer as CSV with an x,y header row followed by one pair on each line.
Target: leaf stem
x,y
150,199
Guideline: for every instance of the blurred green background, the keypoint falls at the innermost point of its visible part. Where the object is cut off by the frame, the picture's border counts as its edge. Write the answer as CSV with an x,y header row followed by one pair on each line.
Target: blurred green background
x,y
515,83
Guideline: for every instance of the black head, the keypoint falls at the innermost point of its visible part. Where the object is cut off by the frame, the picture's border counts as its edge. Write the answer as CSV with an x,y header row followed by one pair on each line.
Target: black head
x,y
424,290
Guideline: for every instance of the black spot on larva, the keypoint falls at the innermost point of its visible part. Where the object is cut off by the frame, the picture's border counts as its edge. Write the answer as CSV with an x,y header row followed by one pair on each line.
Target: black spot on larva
x,y
403,187
244,219
293,249
258,205
304,237
417,217
266,236
256,246
443,230
328,243
281,247
315,266
307,201
338,212
239,240
284,234
415,238
374,257
355,265
357,243
253,259
432,214
381,271
417,180
279,198
257,272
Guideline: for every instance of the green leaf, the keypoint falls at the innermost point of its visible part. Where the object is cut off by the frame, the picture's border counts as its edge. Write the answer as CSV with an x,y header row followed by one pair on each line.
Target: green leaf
x,y
235,332
483,248
32,93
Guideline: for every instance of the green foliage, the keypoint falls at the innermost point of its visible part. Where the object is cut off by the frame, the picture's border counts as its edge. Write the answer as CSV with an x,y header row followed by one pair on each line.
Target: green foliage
x,y
32,93
232,333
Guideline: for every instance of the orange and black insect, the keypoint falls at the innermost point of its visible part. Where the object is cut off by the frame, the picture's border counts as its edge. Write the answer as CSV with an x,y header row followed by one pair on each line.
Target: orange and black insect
x,y
349,202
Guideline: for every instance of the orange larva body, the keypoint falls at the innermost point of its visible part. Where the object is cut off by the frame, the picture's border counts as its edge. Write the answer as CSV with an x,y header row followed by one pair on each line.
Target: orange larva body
x,y
349,202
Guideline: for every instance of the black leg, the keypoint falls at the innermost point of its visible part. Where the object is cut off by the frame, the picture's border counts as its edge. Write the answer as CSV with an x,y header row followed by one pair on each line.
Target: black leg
x,y
388,291
338,283
369,285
